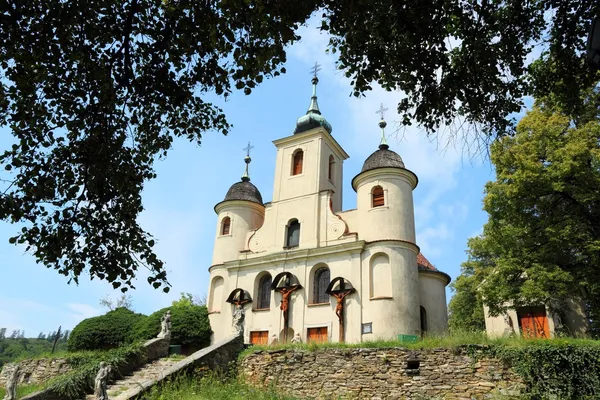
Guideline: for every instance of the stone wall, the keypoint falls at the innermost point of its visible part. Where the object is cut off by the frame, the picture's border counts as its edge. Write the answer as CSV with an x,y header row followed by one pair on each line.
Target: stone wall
x,y
391,373
153,349
35,371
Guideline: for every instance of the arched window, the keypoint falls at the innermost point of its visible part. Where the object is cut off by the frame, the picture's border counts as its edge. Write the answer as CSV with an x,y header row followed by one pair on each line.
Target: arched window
x,y
423,320
216,294
298,159
293,234
377,195
226,226
263,297
320,283
331,167
381,276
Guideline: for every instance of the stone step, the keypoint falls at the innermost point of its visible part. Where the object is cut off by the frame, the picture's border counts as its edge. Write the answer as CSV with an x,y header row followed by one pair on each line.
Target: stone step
x,y
151,371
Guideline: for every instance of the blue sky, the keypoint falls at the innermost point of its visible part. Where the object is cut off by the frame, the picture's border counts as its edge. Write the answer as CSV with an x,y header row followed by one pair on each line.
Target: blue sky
x,y
192,179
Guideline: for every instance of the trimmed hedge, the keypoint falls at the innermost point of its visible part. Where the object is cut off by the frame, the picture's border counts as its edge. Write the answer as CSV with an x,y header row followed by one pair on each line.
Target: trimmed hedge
x,y
107,331
189,326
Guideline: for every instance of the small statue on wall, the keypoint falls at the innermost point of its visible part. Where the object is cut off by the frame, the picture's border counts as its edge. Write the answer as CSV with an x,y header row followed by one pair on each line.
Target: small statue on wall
x,y
274,340
11,384
165,325
239,316
101,382
508,326
297,339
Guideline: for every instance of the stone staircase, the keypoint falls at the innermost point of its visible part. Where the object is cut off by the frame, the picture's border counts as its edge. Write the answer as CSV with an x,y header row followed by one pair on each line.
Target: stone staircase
x,y
151,372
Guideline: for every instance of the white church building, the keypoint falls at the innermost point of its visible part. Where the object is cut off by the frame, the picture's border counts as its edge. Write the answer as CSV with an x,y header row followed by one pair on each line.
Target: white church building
x,y
301,265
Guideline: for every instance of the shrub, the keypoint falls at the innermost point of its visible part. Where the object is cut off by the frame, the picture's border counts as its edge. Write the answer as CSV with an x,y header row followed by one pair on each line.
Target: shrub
x,y
106,331
190,326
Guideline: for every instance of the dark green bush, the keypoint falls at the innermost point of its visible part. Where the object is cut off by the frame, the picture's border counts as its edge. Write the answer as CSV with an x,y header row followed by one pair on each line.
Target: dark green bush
x,y
106,331
190,326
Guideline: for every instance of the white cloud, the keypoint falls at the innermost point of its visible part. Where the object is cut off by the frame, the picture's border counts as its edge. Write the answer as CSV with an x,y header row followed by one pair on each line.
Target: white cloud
x,y
80,311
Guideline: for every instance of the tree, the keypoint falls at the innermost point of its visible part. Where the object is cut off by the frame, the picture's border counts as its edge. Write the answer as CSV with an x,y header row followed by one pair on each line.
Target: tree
x,y
542,239
105,331
466,306
124,301
2,333
95,92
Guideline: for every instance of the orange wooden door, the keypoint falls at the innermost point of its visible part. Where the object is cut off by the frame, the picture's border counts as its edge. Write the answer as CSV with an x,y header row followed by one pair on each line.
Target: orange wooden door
x,y
318,335
259,337
534,323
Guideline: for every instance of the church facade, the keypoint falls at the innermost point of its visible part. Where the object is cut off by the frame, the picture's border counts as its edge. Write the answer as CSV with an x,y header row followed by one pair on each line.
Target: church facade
x,y
300,266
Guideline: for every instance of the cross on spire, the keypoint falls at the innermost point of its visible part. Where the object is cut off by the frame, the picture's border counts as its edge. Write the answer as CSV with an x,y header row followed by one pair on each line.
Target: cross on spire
x,y
247,149
247,159
315,69
382,111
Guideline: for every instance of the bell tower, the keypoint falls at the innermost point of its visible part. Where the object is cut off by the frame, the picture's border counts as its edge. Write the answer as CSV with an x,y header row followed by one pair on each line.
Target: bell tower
x,y
309,161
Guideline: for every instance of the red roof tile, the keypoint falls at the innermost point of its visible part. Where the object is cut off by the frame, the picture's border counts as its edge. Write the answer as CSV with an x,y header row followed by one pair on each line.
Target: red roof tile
x,y
424,263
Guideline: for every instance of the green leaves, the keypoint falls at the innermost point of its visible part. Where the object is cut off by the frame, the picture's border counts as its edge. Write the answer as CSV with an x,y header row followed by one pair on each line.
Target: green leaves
x,y
540,245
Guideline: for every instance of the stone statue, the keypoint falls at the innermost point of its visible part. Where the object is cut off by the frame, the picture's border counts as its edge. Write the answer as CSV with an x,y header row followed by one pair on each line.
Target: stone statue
x,y
508,325
239,315
165,325
101,382
559,327
297,339
274,340
11,384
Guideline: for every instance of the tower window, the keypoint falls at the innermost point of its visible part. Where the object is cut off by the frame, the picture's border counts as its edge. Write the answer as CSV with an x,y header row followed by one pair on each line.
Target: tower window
x,y
226,226
331,167
320,283
298,159
263,300
378,198
293,234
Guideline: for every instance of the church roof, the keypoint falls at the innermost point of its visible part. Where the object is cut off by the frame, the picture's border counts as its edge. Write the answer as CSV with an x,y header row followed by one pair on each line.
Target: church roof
x,y
244,190
383,158
425,265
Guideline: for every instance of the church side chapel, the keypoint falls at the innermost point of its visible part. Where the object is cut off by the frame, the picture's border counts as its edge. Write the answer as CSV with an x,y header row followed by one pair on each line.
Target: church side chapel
x,y
300,268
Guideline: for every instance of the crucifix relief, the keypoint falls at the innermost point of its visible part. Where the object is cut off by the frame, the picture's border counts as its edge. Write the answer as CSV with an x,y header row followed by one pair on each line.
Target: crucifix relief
x,y
340,288
285,283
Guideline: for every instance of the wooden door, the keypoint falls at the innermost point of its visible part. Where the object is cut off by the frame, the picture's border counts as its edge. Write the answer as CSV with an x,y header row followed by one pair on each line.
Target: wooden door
x,y
259,337
533,322
318,335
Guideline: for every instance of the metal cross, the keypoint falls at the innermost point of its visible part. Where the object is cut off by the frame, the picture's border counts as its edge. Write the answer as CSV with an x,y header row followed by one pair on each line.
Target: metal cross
x,y
381,111
247,149
316,68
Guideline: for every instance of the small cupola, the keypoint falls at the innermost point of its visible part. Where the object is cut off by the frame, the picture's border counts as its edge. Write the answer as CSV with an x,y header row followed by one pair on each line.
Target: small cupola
x,y
313,118
244,190
383,157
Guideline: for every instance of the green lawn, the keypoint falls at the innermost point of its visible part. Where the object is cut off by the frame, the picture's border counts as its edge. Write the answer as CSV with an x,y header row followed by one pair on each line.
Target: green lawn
x,y
22,390
212,388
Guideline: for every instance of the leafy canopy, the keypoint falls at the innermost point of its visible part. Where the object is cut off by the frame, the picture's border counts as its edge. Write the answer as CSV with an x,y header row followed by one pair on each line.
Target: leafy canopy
x,y
94,92
542,241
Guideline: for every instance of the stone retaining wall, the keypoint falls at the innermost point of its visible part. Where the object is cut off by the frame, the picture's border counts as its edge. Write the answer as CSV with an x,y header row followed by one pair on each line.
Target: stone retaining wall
x,y
35,371
392,373
153,349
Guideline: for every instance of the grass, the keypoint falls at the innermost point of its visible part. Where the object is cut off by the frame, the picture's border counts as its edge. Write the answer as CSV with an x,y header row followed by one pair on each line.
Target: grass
x,y
212,387
450,341
22,390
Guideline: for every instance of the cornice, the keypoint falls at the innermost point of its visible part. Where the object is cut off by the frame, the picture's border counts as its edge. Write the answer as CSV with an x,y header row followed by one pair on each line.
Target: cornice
x,y
299,254
437,274
239,203
410,176
400,243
